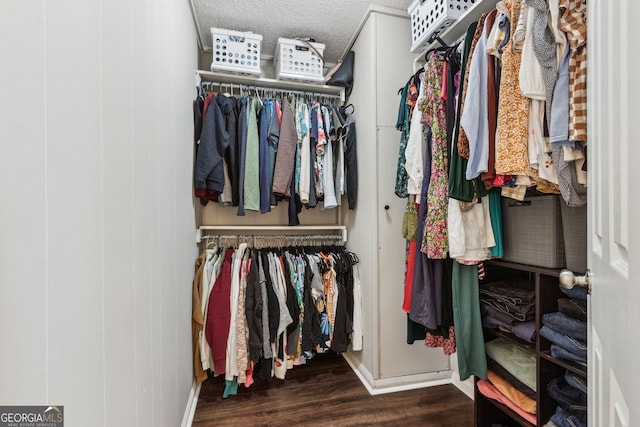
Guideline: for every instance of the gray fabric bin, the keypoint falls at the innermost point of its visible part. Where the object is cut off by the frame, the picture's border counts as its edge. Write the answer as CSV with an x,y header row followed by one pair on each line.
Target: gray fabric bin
x,y
532,231
574,230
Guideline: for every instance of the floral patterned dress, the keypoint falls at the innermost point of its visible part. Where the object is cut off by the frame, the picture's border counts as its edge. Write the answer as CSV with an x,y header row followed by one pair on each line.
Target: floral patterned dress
x,y
513,113
435,239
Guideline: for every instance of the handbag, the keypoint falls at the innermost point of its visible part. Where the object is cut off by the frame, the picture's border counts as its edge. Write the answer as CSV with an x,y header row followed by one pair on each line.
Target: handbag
x,y
410,220
342,73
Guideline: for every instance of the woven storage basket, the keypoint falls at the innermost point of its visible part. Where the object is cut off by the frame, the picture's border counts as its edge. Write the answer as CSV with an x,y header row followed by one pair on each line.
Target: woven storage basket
x,y
532,231
574,231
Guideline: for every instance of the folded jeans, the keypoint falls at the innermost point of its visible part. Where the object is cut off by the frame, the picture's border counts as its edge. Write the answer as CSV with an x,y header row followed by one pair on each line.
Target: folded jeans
x,y
570,344
573,307
568,398
563,418
560,353
577,292
566,325
576,381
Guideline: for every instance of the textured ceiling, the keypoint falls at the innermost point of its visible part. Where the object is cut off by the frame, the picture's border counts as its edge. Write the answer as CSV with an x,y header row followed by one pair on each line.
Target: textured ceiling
x,y
332,22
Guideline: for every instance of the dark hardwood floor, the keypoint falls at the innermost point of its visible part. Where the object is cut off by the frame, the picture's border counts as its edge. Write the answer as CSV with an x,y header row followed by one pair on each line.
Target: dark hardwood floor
x,y
326,392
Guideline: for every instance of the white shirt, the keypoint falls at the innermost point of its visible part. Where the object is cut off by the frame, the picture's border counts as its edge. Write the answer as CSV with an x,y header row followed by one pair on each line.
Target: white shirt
x,y
414,160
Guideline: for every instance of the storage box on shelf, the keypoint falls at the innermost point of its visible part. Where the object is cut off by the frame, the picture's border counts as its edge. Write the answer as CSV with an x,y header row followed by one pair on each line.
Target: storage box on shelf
x,y
430,17
236,52
574,232
532,231
296,60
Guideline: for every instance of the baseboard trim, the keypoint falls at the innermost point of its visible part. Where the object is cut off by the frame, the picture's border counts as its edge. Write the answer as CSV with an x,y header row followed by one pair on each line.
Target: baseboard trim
x,y
465,386
394,384
361,372
192,403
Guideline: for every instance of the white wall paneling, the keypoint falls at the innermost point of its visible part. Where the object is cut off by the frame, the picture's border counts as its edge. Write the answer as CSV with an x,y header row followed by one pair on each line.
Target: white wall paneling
x,y
97,216
23,210
382,66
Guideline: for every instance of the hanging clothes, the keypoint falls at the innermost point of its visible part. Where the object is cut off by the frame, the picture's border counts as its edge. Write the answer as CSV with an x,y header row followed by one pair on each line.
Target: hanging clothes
x,y
435,240
348,135
263,159
268,310
474,119
214,141
304,139
414,151
511,134
242,150
573,21
403,124
250,156
197,322
219,316
462,140
252,159
468,322
459,187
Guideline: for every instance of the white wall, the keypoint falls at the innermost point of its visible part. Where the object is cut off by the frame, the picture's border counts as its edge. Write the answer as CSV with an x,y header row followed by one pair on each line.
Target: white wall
x,y
381,68
362,221
96,214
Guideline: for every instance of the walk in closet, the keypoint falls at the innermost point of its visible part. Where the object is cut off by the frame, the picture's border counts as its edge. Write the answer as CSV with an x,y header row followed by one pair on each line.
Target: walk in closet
x,y
371,225
101,224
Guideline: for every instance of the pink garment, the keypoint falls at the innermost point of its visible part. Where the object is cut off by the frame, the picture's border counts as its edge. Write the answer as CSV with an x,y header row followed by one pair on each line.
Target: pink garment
x,y
489,390
443,89
408,278
279,112
249,374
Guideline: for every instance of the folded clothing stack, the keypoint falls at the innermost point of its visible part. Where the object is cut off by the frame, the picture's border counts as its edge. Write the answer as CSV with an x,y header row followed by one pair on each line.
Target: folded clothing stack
x,y
509,305
511,374
567,328
570,392
567,331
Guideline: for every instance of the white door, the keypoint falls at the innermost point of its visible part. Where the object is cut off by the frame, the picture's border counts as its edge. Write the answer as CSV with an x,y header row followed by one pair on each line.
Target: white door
x,y
614,223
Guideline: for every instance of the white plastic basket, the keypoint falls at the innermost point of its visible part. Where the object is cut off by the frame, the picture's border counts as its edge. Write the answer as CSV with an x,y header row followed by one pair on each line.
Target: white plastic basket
x,y
294,60
236,51
430,17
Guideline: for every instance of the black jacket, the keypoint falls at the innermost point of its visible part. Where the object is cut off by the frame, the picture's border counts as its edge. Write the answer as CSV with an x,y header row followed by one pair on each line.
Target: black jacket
x,y
214,141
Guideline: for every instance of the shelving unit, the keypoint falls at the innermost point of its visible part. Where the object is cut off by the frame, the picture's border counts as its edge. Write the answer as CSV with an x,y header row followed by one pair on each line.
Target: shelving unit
x,y
456,30
547,293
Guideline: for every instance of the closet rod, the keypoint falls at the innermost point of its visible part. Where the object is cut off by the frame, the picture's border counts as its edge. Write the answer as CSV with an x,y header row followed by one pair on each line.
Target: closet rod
x,y
269,92
277,239
340,230
273,84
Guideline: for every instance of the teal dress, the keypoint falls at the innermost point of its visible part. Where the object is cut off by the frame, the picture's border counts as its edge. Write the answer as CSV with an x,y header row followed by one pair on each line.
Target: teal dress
x,y
402,124
468,322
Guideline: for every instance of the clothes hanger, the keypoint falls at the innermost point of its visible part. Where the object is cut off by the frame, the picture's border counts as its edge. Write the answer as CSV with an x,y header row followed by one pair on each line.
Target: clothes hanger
x,y
443,47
